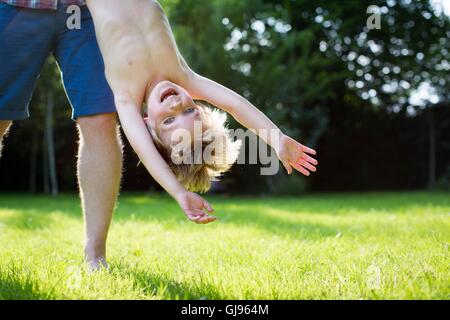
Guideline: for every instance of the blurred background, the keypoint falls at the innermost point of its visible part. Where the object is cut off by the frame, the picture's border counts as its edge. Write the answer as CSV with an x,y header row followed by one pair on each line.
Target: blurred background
x,y
375,104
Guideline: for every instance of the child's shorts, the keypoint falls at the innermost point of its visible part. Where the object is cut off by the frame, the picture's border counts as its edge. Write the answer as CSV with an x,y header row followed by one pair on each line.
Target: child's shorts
x,y
27,38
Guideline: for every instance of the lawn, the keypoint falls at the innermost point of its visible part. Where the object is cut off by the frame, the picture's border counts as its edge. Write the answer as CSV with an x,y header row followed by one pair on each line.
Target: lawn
x,y
320,246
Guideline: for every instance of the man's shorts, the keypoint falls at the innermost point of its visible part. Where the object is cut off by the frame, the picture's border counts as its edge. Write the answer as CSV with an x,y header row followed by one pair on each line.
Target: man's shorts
x,y
27,38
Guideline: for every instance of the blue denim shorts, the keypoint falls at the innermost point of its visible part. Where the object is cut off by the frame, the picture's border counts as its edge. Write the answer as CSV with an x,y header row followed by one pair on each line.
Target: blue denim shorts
x,y
27,38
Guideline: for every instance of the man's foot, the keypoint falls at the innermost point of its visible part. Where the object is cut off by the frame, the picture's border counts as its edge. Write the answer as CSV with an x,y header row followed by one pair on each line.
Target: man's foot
x,y
94,258
96,264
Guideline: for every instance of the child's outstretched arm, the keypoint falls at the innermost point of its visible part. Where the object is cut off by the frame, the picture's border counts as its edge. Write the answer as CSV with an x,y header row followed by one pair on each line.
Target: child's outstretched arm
x,y
140,139
290,152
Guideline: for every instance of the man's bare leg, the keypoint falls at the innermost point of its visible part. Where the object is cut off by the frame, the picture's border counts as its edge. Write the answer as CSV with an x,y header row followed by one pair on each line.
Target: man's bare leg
x,y
4,128
99,172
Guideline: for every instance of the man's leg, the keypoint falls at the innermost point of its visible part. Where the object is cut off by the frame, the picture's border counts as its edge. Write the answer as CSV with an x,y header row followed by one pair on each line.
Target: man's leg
x,y
99,172
100,148
4,127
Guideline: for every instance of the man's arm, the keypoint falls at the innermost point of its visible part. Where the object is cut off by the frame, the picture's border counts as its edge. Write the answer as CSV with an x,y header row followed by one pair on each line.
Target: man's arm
x,y
290,152
142,143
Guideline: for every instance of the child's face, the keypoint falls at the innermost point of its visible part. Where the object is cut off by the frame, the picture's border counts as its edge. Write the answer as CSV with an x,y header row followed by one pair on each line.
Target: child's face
x,y
169,108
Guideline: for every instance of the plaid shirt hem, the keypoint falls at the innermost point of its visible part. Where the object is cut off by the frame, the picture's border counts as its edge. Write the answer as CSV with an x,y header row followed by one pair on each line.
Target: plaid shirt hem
x,y
42,4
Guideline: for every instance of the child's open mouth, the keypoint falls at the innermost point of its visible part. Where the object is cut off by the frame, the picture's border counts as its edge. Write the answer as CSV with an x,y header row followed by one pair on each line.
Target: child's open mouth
x,y
167,94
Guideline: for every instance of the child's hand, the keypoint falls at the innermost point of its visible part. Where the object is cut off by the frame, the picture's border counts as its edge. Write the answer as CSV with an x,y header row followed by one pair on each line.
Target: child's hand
x,y
293,154
193,205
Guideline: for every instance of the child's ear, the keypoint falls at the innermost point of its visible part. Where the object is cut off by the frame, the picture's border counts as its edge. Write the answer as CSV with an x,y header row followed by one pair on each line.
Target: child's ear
x,y
144,110
147,121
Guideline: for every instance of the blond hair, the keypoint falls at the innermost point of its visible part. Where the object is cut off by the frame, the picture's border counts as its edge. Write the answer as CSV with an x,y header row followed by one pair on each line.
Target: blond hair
x,y
197,176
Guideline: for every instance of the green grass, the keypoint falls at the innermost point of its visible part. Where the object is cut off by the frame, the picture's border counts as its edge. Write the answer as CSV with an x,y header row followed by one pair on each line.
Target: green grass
x,y
325,246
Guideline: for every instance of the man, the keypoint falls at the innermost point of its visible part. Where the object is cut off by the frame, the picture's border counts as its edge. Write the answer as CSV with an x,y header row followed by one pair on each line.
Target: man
x,y
31,30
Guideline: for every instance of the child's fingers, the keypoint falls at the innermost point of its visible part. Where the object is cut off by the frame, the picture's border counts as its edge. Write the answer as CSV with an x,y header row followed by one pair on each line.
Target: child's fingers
x,y
206,219
287,166
299,168
194,214
310,159
307,165
210,218
208,206
307,150
193,219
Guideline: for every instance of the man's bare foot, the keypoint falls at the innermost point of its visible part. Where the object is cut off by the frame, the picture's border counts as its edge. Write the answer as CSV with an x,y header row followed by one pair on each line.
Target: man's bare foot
x,y
96,264
94,258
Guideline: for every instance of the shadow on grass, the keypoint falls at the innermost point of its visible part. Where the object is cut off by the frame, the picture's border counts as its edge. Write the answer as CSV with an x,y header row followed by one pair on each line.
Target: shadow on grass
x,y
28,217
162,287
28,220
280,225
67,204
20,289
33,212
239,211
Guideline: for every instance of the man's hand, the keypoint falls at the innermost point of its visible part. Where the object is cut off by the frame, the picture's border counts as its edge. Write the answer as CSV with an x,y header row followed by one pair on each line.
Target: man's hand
x,y
193,206
294,155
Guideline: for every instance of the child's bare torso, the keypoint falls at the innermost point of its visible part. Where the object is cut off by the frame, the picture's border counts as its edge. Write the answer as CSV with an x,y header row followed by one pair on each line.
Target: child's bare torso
x,y
137,45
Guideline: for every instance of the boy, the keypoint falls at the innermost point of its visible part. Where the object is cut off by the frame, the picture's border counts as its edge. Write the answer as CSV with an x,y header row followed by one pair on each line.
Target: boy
x,y
143,64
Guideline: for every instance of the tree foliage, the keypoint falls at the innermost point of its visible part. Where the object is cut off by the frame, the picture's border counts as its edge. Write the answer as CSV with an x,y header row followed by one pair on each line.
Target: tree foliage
x,y
318,72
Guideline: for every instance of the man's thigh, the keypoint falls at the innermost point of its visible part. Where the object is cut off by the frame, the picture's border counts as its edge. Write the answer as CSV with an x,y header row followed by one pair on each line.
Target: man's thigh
x,y
26,39
83,70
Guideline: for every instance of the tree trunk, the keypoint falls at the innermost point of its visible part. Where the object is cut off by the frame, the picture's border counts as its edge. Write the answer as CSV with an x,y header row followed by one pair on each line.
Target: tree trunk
x,y
45,163
33,161
51,145
432,148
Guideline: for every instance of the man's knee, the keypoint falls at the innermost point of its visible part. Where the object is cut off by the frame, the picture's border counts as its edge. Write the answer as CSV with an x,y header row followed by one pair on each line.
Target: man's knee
x,y
101,123
4,127
102,128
